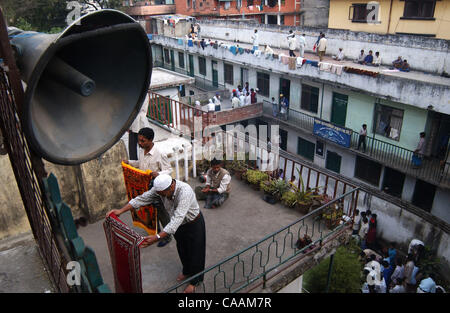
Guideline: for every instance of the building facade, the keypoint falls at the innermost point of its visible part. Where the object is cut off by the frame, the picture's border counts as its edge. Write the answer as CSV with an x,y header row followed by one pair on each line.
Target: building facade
x,y
429,18
274,12
409,105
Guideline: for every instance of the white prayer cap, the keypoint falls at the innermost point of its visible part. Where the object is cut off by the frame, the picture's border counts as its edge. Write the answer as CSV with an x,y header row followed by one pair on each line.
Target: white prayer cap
x,y
162,182
197,102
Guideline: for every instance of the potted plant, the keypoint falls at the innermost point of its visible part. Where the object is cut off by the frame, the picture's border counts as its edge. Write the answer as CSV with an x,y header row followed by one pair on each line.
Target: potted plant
x,y
280,187
332,214
255,177
305,196
238,167
289,199
269,189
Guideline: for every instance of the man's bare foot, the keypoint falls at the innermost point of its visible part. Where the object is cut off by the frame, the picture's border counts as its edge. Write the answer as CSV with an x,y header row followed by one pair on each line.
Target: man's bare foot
x,y
189,289
181,277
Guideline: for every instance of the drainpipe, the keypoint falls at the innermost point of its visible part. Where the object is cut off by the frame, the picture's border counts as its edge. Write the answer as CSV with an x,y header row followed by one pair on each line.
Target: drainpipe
x,y
321,105
389,19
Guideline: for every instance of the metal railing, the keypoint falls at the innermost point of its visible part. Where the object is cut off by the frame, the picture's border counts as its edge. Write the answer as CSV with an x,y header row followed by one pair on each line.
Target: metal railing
x,y
201,82
432,169
27,168
253,266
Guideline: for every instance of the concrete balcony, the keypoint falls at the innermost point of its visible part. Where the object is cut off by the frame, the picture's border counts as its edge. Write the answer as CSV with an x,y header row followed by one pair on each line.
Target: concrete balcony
x,y
410,88
144,10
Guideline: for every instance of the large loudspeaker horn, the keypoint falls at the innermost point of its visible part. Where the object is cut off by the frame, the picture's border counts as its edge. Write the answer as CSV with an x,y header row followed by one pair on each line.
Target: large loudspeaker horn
x,y
85,86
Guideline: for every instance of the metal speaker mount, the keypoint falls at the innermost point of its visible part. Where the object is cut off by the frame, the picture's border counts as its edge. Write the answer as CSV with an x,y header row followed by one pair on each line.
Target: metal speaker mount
x,y
85,86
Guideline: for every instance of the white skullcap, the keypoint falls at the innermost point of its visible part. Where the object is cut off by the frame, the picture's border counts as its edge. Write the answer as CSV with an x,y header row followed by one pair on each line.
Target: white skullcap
x,y
162,182
197,102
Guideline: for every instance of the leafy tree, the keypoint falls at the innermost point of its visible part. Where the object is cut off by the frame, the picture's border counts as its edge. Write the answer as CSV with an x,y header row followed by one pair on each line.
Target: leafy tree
x,y
345,274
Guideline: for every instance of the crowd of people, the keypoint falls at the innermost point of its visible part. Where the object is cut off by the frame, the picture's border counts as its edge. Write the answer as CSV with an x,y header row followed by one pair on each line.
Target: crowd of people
x,y
369,59
243,96
387,271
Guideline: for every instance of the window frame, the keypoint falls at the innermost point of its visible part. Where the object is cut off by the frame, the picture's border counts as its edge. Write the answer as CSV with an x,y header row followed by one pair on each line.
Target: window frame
x,y
181,60
260,83
391,112
166,56
419,10
308,90
202,66
226,78
371,166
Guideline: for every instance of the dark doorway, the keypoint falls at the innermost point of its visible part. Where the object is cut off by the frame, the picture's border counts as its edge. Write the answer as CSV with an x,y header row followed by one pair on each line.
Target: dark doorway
x,y
393,182
191,65
284,138
424,195
272,20
215,74
285,87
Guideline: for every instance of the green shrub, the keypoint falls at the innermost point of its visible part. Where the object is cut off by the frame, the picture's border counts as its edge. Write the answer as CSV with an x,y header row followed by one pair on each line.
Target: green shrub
x,y
255,177
345,274
289,199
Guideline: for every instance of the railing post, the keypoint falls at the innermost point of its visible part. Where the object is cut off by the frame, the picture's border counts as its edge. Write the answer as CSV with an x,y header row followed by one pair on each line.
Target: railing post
x,y
329,273
177,170
186,163
194,159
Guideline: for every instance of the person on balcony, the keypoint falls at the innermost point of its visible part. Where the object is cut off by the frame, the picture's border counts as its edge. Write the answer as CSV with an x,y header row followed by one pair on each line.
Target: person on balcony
x,y
361,57
405,66
253,96
419,152
339,56
284,103
246,89
376,59
362,137
268,52
211,106
397,63
368,59
302,44
248,98
322,47
235,100
255,40
274,107
217,103
186,224
151,158
217,188
292,43
242,99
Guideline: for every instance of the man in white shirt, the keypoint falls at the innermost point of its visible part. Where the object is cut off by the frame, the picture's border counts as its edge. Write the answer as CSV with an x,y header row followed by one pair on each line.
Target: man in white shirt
x,y
376,59
150,158
268,52
363,230
186,224
302,43
339,56
217,103
322,47
248,99
292,42
242,100
361,57
255,40
211,106
235,101
218,186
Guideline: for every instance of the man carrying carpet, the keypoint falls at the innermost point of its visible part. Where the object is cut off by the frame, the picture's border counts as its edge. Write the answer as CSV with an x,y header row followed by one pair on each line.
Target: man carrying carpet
x,y
150,158
186,224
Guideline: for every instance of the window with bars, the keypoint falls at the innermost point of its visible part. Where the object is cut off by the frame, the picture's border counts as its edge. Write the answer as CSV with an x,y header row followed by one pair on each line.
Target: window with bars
x,y
367,170
310,98
188,3
359,12
388,121
228,73
166,56
418,9
181,59
263,83
202,65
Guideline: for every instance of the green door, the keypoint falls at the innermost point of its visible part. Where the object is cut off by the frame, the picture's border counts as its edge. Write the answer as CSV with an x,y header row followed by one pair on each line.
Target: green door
x,y
306,148
333,161
215,74
191,65
339,109
172,60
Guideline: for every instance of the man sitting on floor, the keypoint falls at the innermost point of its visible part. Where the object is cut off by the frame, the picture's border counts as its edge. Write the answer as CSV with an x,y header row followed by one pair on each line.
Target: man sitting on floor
x,y
218,186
